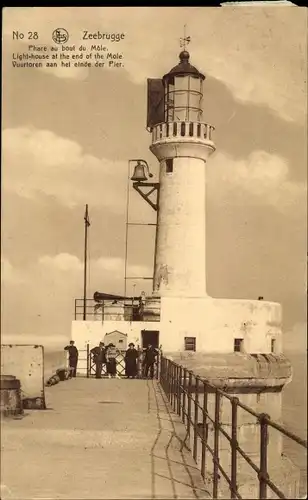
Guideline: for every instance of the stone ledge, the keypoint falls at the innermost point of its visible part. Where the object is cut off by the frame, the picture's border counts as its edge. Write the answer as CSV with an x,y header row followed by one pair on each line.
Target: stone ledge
x,y
237,369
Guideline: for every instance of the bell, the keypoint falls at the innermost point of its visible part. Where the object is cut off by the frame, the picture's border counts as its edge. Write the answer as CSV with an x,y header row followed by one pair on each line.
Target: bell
x,y
139,174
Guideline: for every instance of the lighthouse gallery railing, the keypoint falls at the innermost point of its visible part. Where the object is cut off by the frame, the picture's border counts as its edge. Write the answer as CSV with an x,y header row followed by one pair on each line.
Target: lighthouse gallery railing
x,y
183,389
182,129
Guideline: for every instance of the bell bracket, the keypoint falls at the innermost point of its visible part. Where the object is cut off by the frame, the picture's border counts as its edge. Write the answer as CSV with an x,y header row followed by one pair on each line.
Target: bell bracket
x,y
154,186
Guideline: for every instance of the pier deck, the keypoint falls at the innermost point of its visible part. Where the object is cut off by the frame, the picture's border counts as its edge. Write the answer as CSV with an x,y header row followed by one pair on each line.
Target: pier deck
x,y
99,439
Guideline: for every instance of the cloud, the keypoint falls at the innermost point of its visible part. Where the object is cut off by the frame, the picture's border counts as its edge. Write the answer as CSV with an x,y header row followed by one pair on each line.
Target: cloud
x,y
39,162
45,298
102,266
109,264
259,63
68,263
9,274
261,179
63,262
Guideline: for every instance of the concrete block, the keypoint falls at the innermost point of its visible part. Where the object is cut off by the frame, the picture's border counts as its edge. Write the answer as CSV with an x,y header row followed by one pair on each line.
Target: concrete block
x,y
26,363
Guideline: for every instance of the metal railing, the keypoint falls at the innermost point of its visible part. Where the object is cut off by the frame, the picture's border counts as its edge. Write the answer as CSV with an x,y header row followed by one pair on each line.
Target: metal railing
x,y
183,389
87,365
107,311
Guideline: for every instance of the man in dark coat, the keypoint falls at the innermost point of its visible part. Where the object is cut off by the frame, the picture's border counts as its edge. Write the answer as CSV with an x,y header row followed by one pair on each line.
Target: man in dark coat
x,y
72,358
149,361
131,357
99,358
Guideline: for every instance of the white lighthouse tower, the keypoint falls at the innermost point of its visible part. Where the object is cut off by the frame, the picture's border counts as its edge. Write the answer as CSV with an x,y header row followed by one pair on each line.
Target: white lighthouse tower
x,y
182,144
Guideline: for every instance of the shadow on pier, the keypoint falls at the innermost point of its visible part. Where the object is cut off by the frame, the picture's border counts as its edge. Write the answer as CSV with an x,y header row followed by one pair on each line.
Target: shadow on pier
x,y
103,439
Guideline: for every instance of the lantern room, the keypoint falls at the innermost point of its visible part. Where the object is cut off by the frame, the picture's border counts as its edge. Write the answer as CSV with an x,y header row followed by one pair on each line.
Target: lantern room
x,y
183,92
177,97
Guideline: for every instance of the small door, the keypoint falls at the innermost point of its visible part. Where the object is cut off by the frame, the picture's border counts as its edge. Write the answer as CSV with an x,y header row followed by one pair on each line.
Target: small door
x,y
150,337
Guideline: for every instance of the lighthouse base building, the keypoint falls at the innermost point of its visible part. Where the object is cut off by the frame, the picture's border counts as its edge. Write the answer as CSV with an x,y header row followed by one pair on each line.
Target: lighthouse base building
x,y
235,344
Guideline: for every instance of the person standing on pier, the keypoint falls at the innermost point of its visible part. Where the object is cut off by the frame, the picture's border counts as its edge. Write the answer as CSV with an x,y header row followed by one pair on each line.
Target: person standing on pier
x,y
72,358
150,356
131,357
111,355
99,358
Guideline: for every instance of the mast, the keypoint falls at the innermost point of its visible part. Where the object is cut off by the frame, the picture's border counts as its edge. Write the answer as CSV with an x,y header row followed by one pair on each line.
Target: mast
x,y
86,225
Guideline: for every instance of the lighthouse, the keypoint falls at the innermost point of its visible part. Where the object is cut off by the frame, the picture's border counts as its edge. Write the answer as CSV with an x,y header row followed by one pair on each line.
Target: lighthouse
x,y
179,314
182,142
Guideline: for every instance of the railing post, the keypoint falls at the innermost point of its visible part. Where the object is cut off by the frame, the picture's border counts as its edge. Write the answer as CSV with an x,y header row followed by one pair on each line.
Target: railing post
x,y
209,132
234,445
204,430
174,387
187,124
163,373
172,384
175,370
88,361
263,475
170,381
168,378
195,450
184,395
179,390
216,445
189,406
158,367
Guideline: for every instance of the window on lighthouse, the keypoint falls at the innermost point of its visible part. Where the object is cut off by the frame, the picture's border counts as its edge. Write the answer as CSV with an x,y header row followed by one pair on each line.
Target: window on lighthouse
x,y
238,345
190,343
183,99
169,165
169,100
195,99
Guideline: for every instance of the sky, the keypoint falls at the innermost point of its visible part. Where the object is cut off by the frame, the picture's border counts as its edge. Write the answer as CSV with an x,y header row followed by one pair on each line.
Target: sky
x,y
68,133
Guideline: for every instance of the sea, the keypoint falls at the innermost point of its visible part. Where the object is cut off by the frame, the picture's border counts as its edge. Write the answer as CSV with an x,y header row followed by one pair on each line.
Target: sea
x,y
294,414
294,408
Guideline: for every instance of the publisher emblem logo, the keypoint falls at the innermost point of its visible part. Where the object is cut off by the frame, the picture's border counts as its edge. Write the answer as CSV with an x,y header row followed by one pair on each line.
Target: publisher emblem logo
x,y
60,35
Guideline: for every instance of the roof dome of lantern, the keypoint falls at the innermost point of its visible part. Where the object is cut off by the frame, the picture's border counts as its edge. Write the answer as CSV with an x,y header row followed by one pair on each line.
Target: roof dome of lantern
x,y
184,68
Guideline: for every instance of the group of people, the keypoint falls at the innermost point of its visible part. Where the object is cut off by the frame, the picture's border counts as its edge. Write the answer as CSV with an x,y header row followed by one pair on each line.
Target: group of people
x,y
106,356
148,362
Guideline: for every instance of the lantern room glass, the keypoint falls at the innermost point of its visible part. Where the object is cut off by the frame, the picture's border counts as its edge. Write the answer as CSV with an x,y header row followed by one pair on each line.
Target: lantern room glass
x,y
183,99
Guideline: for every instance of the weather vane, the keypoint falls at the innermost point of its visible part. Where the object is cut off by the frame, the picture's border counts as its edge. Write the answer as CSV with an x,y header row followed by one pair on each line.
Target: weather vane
x,y
184,40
